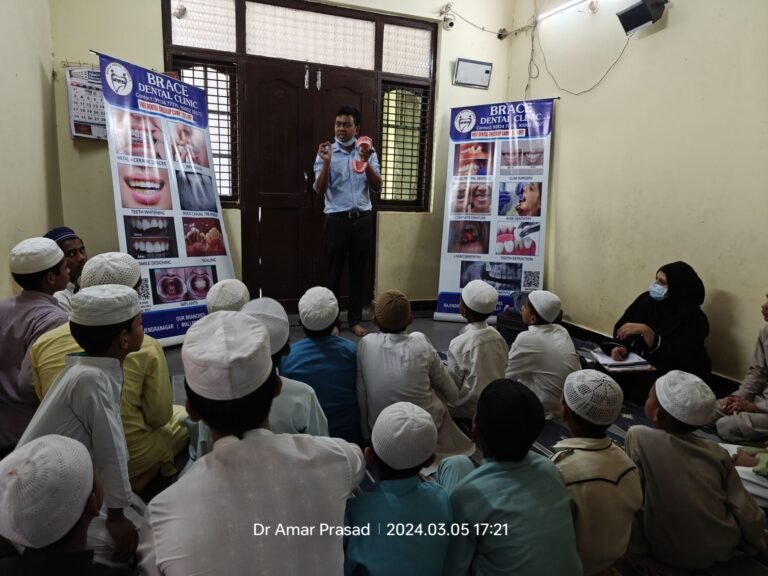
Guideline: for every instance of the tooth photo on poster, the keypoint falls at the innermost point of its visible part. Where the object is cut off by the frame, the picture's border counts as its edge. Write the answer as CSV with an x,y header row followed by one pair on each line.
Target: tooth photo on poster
x,y
150,237
137,135
189,145
197,191
469,237
202,237
173,285
144,187
504,276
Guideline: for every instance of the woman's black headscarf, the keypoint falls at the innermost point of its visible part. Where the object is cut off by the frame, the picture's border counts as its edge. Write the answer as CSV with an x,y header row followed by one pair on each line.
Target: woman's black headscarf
x,y
684,285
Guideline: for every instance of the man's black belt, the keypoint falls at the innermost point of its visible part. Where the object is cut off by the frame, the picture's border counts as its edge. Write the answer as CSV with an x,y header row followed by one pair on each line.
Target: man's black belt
x,y
351,214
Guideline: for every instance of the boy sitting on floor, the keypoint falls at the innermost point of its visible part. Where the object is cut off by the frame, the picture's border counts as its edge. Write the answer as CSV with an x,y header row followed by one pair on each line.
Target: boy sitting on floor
x,y
84,402
603,481
696,510
542,356
328,363
478,355
151,422
49,494
404,440
514,507
296,409
743,416
394,366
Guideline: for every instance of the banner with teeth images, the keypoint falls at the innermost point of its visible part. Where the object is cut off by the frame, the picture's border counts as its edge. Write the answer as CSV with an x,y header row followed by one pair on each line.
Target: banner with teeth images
x,y
496,197
168,210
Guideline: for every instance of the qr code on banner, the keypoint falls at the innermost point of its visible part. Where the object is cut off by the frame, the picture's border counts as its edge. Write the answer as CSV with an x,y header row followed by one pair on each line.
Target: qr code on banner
x,y
144,289
531,280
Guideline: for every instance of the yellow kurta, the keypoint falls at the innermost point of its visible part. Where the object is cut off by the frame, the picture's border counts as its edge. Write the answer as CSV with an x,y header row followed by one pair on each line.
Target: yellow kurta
x,y
150,421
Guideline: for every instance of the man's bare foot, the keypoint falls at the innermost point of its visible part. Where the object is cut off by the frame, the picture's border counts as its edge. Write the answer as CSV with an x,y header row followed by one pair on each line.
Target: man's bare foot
x,y
358,330
335,331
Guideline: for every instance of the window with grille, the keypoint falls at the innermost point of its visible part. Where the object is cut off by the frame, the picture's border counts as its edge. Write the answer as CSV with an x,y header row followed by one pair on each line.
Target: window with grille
x,y
206,40
219,80
404,138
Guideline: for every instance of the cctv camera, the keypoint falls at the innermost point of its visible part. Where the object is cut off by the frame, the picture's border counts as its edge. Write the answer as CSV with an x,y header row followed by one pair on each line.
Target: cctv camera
x,y
448,22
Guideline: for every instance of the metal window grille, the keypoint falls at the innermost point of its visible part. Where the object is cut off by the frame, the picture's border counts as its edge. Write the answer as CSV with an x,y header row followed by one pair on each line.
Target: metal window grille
x,y
404,144
219,80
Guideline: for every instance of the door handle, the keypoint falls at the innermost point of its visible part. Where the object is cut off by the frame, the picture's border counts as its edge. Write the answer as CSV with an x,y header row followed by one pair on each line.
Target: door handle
x,y
319,82
306,77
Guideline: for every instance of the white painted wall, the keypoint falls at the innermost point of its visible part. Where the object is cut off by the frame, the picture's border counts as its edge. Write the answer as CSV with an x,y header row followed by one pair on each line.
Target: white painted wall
x,y
28,163
665,160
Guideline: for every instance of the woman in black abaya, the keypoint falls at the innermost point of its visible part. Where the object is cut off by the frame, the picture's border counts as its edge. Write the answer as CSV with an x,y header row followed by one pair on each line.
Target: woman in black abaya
x,y
667,327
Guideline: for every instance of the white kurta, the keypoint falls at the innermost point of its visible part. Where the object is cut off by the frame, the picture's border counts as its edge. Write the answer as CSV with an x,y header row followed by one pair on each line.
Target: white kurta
x,y
541,358
64,297
84,404
406,368
205,523
476,357
296,410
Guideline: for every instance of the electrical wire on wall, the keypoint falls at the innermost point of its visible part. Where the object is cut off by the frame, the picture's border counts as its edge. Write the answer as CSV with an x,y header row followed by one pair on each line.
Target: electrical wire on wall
x,y
448,9
533,69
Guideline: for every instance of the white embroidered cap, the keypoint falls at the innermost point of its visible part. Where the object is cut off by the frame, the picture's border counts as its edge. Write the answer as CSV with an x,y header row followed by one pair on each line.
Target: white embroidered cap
x,y
44,485
272,314
546,304
229,294
104,305
404,436
226,355
480,297
686,397
35,255
594,396
111,268
318,308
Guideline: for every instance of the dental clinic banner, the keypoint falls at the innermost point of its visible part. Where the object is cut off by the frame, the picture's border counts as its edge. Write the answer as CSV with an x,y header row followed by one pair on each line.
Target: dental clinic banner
x,y
168,211
496,200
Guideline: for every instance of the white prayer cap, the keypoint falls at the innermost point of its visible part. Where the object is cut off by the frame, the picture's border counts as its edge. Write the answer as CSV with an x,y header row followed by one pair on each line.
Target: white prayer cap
x,y
594,396
226,355
480,297
318,308
104,305
686,397
229,294
44,485
111,268
272,314
546,304
404,436
35,255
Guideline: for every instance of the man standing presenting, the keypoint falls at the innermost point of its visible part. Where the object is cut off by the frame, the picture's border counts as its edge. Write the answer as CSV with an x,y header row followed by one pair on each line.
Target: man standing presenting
x,y
345,174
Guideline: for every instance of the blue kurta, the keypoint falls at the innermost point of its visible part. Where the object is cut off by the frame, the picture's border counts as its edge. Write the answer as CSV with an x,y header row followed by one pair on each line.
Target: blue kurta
x,y
424,505
527,510
329,365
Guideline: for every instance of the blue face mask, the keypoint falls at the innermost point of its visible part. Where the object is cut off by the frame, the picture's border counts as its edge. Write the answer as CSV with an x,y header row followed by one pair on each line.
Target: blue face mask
x,y
349,142
657,291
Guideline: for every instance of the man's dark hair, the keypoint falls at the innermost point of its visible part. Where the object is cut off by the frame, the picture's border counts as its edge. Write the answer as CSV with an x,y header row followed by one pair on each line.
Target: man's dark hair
x,y
539,319
667,422
585,426
319,333
350,111
96,340
388,473
34,281
509,419
473,316
238,416
384,330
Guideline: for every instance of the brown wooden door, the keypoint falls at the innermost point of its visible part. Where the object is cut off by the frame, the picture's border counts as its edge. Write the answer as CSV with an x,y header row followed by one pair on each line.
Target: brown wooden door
x,y
288,109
